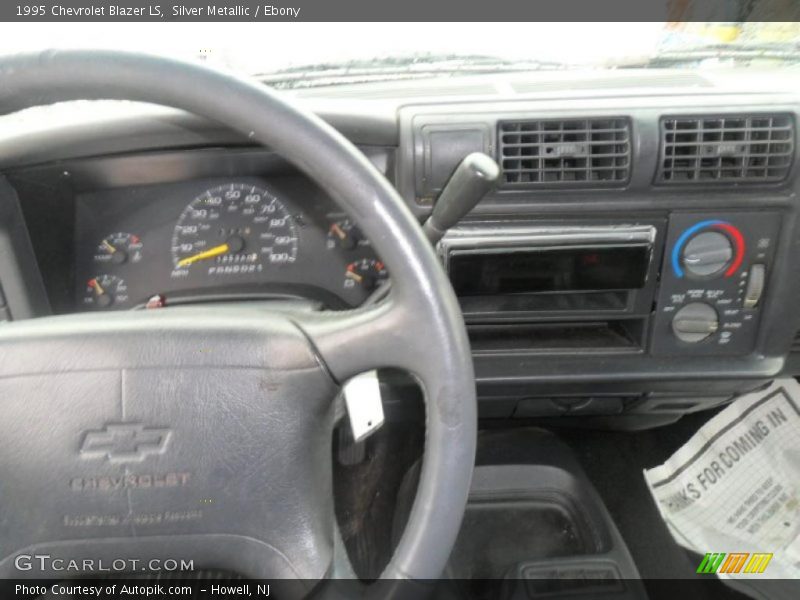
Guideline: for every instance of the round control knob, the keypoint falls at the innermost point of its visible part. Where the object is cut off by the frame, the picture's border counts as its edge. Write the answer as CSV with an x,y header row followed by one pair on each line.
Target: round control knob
x,y
707,254
695,322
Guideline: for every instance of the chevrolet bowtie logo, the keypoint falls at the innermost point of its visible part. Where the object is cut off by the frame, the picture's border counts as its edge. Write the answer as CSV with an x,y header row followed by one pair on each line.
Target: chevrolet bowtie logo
x,y
125,442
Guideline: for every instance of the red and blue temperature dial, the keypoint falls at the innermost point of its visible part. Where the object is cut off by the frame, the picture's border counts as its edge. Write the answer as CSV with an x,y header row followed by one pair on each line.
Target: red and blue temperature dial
x,y
708,249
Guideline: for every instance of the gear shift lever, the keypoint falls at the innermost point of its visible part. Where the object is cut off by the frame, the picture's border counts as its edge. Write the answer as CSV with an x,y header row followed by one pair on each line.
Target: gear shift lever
x,y
474,177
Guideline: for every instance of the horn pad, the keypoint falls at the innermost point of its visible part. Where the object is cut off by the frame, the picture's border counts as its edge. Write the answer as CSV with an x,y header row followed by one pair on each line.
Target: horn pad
x,y
137,451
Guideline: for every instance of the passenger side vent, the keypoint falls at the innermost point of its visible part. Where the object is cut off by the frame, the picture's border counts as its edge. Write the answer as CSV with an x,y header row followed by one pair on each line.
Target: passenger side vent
x,y
565,153
726,149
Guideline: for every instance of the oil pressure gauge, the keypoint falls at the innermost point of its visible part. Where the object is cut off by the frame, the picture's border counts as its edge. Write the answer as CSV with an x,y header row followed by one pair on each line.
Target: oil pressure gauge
x,y
105,291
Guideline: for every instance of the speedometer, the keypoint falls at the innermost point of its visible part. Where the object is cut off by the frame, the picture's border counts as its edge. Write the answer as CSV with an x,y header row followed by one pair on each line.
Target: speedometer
x,y
233,229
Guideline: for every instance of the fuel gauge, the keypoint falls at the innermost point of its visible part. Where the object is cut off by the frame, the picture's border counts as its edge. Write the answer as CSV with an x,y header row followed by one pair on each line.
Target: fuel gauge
x,y
119,248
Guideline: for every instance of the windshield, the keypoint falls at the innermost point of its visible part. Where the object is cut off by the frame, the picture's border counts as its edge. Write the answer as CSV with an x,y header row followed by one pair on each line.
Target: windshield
x,y
294,50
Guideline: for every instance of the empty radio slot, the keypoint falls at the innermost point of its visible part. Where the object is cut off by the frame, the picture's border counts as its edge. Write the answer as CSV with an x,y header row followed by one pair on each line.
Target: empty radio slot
x,y
623,335
614,301
566,272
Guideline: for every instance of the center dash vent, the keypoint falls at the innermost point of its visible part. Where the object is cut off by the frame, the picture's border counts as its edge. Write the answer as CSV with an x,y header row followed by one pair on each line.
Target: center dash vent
x,y
756,148
565,152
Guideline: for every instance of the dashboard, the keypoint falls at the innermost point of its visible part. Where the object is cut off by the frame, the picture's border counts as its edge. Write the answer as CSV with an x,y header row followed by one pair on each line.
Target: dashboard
x,y
637,261
219,238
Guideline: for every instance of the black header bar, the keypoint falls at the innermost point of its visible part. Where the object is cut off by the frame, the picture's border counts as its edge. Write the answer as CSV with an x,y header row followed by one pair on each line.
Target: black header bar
x,y
399,10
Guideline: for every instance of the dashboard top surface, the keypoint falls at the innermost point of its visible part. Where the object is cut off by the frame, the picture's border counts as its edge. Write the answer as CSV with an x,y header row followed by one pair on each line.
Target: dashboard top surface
x,y
368,113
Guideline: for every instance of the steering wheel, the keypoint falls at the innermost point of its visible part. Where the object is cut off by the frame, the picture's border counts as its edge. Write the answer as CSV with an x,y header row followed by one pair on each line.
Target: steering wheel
x,y
205,432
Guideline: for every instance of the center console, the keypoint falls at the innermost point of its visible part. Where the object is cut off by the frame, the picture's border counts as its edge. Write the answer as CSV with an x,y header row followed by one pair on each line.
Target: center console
x,y
535,527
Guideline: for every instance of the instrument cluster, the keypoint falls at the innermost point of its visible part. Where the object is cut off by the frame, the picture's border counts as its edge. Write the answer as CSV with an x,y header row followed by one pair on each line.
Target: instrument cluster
x,y
219,239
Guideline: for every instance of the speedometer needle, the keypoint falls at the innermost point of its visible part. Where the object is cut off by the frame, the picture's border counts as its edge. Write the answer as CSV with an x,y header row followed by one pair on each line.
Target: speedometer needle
x,y
210,253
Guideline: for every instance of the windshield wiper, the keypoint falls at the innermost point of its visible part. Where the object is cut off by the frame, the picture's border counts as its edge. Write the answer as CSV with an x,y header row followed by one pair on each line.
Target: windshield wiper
x,y
740,54
397,68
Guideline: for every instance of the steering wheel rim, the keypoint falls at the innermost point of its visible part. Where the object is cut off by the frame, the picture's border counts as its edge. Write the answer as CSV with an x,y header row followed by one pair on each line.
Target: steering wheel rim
x,y
420,328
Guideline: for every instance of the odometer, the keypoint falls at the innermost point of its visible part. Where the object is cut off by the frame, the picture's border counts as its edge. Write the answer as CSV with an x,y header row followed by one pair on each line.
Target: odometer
x,y
233,229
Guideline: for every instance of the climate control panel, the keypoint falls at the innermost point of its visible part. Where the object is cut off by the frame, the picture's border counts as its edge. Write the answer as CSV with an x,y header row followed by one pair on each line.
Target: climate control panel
x,y
713,282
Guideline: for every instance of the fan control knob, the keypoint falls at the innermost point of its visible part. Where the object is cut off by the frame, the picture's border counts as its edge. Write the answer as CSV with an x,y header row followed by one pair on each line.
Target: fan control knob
x,y
695,322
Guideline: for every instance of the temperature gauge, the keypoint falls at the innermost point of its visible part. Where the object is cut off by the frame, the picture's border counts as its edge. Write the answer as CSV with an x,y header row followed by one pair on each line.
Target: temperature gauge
x,y
366,273
105,291
119,248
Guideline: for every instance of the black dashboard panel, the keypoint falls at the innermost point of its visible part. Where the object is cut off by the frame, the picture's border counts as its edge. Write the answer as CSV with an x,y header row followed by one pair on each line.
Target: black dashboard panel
x,y
604,351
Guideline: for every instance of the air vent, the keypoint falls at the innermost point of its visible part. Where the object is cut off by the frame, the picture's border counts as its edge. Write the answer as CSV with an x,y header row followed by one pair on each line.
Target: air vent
x,y
565,153
796,343
726,149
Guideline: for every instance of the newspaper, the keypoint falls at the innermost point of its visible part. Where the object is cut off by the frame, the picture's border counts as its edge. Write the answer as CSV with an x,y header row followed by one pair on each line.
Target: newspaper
x,y
732,492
